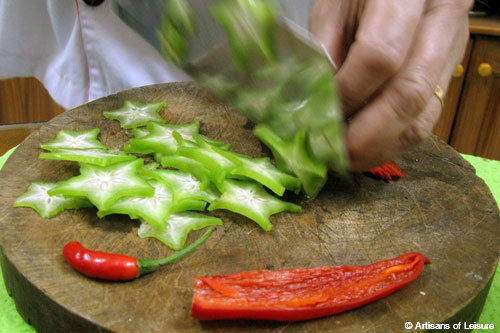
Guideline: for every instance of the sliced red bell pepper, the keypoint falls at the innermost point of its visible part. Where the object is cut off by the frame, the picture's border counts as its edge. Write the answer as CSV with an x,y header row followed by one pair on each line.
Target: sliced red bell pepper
x,y
387,171
301,294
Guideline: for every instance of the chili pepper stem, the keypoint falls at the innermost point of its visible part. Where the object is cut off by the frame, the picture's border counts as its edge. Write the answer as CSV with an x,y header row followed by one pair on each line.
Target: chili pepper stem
x,y
150,265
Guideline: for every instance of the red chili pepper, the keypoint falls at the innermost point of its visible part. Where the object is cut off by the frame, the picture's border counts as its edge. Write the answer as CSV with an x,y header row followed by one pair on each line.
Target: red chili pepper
x,y
388,170
118,267
301,294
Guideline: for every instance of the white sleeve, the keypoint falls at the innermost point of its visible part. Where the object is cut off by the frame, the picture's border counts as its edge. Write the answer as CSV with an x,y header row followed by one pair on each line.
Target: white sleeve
x,y
78,52
81,53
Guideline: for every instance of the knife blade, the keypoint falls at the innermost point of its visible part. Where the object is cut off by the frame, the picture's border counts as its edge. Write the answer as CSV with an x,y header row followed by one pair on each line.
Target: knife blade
x,y
263,65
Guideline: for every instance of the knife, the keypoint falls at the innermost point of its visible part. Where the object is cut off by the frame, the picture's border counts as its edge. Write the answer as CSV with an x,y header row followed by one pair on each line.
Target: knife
x,y
250,57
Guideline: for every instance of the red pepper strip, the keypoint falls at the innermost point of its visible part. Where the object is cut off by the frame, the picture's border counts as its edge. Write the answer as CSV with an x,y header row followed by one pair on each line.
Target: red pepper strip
x,y
117,267
301,294
388,170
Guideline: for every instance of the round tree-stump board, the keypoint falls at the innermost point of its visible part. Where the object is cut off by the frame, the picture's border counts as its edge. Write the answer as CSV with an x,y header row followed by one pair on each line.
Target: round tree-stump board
x,y
440,208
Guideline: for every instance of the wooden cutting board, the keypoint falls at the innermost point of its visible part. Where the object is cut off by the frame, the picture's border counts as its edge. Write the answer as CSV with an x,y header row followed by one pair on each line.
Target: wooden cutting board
x,y
440,208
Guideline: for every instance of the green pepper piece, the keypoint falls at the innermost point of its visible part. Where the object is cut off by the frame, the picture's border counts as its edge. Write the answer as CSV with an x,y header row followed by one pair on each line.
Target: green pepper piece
x,y
197,140
174,45
151,166
160,138
47,206
262,171
178,227
134,114
212,142
155,209
181,14
100,157
217,84
249,25
251,200
103,186
137,132
217,165
188,165
278,73
158,157
320,114
188,204
258,103
84,139
293,157
184,185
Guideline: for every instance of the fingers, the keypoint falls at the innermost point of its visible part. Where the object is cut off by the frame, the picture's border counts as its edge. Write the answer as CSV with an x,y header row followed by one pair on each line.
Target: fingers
x,y
396,119
383,40
330,23
424,123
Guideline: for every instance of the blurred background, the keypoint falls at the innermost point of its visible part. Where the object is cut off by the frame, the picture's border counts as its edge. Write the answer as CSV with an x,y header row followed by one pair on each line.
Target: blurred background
x,y
470,121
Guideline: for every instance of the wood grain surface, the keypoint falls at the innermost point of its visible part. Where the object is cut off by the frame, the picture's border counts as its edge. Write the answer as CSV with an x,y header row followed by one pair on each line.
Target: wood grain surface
x,y
476,130
12,135
25,100
440,208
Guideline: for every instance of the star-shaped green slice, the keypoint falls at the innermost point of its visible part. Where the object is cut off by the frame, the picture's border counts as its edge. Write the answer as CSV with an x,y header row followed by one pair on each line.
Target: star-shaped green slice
x,y
47,206
103,186
85,139
202,152
184,185
262,171
134,114
139,132
251,200
188,165
155,210
100,157
293,157
211,142
178,227
160,138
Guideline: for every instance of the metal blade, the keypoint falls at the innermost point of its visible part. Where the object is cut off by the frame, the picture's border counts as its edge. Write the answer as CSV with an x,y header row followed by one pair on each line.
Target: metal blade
x,y
295,92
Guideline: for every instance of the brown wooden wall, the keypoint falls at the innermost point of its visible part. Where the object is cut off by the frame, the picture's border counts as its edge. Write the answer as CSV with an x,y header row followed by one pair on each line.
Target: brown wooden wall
x,y
25,100
24,105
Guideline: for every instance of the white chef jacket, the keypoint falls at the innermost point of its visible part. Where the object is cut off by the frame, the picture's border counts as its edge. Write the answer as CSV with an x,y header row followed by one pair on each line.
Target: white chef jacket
x,y
80,52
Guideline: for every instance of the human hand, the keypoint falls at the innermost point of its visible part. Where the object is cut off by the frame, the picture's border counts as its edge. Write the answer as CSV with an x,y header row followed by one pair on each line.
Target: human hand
x,y
391,56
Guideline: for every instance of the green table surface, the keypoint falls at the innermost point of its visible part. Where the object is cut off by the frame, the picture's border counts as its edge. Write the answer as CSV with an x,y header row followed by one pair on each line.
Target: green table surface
x,y
488,170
